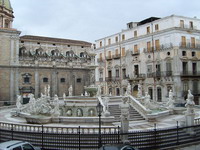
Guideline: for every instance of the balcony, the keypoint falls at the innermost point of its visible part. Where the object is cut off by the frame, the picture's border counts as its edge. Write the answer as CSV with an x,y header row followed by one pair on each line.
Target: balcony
x,y
108,57
190,74
138,77
109,79
159,74
161,47
184,45
135,53
116,56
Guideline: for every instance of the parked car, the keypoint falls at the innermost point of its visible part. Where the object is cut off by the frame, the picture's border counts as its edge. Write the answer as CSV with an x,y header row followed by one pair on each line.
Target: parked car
x,y
17,145
117,147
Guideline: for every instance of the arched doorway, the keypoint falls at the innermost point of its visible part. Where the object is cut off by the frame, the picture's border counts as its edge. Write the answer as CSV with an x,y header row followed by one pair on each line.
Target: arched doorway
x,y
135,90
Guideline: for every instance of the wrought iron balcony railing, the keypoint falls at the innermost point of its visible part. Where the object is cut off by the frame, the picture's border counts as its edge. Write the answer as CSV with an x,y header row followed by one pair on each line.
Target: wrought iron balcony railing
x,y
190,73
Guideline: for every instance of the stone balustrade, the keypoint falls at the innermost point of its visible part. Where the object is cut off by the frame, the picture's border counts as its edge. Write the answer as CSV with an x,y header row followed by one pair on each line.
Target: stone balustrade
x,y
54,129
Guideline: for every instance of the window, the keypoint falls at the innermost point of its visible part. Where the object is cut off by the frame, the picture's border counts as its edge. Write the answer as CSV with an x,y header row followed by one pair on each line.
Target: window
x,y
109,41
116,39
100,43
149,46
183,41
185,67
62,80
116,52
45,80
82,46
110,91
157,42
193,54
168,53
148,29
117,91
150,92
159,94
156,27
109,54
38,42
135,48
117,73
27,147
123,37
78,80
54,44
101,74
192,42
124,73
168,68
26,79
194,68
22,41
185,86
68,45
100,57
182,23
184,53
123,51
135,33
17,148
191,25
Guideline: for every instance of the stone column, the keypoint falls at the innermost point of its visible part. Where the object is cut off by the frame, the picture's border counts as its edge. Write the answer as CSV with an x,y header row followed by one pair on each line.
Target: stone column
x,y
37,80
16,82
11,85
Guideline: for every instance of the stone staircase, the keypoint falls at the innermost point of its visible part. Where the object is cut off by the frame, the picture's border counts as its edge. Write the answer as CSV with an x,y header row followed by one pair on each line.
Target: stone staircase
x,y
116,112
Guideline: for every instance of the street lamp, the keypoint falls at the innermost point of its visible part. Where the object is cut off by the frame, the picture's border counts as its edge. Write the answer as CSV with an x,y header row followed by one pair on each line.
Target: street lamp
x,y
99,108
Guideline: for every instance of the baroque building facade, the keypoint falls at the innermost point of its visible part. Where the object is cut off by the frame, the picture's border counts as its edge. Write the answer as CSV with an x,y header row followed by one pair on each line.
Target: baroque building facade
x,y
156,55
28,63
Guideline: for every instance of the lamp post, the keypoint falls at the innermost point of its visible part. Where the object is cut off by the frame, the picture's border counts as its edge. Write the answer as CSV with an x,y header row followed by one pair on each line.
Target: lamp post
x,y
99,108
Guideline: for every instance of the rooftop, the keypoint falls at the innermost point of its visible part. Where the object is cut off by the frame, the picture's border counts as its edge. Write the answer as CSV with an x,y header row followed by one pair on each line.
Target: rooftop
x,y
55,40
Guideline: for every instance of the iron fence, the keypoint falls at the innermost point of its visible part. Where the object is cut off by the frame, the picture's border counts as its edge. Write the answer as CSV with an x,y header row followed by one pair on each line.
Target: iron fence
x,y
63,139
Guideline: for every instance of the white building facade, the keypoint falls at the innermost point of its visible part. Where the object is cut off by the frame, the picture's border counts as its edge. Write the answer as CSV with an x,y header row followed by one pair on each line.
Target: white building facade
x,y
157,53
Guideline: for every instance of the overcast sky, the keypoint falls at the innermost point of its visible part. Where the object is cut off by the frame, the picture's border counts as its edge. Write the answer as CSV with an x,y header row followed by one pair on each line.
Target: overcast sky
x,y
90,20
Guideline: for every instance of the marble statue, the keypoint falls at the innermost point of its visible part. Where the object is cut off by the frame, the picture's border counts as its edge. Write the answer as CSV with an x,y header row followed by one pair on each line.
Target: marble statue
x,y
99,90
79,112
69,112
48,91
45,90
86,94
70,90
91,113
55,112
170,103
105,101
128,90
190,114
139,94
124,106
64,96
56,97
190,103
147,102
18,102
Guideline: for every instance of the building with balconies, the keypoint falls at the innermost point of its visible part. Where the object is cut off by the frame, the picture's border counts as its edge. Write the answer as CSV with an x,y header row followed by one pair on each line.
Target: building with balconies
x,y
158,53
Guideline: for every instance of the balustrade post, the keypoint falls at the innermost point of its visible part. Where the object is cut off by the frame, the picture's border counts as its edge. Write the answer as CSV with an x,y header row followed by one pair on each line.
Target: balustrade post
x,y
12,131
42,138
118,135
177,130
79,138
155,134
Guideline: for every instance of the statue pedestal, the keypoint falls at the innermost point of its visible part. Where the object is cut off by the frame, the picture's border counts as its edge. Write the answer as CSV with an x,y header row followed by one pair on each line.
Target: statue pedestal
x,y
190,122
124,130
